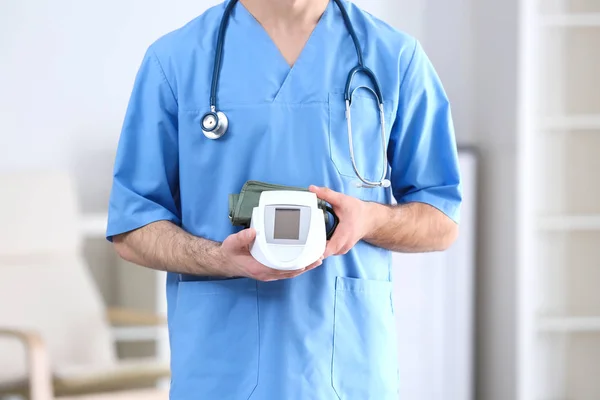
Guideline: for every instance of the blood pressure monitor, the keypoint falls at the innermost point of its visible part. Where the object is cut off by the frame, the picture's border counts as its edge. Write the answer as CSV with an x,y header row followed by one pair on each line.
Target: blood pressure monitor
x,y
290,230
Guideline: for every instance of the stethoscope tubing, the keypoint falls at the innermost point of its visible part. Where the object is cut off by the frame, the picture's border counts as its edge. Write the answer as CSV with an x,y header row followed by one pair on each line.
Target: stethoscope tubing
x,y
216,131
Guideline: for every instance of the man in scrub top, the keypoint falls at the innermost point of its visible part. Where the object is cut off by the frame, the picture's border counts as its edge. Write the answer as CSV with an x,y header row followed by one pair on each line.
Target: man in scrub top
x,y
239,330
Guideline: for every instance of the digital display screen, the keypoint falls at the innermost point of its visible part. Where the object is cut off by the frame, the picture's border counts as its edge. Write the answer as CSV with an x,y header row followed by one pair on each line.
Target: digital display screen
x,y
287,224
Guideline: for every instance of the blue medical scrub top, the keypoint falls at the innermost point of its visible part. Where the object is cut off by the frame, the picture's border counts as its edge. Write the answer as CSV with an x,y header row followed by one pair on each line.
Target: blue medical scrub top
x,y
329,333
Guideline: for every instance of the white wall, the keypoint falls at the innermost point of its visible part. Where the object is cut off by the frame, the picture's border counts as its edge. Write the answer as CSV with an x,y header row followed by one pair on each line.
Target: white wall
x,y
66,74
445,29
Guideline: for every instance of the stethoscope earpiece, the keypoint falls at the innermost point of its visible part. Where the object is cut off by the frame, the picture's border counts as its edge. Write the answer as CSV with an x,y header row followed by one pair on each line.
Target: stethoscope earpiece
x,y
214,124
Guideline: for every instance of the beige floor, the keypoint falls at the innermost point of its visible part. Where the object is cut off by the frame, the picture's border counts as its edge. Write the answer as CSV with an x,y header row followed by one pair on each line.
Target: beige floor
x,y
132,395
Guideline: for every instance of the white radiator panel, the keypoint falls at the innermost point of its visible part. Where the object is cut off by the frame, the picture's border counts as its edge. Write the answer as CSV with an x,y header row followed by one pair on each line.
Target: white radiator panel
x,y
434,306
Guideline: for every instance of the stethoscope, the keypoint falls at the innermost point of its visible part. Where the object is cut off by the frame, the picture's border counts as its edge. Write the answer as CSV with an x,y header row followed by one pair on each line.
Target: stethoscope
x,y
215,123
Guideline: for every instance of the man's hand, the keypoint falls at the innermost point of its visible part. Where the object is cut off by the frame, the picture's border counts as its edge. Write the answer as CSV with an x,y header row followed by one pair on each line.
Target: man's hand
x,y
240,263
408,228
354,221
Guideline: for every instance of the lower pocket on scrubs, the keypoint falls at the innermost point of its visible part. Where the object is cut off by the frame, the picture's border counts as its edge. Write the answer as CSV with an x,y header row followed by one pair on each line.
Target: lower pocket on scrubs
x,y
214,340
364,350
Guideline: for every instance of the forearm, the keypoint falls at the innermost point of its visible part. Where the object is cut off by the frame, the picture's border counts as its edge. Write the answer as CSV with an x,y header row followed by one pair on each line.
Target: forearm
x,y
166,247
410,228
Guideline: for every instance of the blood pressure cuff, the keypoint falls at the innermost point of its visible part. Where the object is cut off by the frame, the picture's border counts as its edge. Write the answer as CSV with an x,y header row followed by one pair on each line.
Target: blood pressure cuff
x,y
242,204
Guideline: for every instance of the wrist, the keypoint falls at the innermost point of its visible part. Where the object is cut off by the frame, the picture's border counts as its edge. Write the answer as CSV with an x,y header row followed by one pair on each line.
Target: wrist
x,y
209,259
219,262
375,216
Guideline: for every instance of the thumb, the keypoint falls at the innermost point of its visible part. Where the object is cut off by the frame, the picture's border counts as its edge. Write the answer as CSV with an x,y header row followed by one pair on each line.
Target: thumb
x,y
245,238
240,240
326,194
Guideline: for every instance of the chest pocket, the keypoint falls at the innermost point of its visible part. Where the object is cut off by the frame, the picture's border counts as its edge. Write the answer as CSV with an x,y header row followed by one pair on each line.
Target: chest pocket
x,y
366,135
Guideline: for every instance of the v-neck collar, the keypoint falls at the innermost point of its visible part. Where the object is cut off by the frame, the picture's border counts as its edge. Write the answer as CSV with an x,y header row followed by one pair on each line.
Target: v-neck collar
x,y
308,52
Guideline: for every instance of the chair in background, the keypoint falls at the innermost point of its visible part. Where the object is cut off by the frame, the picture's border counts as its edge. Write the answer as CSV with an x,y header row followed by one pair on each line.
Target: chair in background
x,y
55,331
125,395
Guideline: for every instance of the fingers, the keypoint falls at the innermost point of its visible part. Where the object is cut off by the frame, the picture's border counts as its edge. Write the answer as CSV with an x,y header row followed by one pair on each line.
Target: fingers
x,y
238,244
338,245
266,274
281,275
330,196
314,265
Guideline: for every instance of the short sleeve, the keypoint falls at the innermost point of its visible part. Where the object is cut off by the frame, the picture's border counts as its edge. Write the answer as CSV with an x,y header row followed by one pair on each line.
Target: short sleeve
x,y
422,150
145,176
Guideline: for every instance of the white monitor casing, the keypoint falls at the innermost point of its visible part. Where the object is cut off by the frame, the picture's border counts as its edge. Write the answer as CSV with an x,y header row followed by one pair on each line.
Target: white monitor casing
x,y
288,254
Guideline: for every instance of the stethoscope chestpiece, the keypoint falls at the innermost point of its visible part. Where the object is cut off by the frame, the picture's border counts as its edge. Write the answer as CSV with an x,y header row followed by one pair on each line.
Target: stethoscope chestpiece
x,y
214,124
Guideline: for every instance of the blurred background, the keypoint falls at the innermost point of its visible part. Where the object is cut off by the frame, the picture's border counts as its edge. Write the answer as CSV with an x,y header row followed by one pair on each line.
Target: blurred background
x,y
511,311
